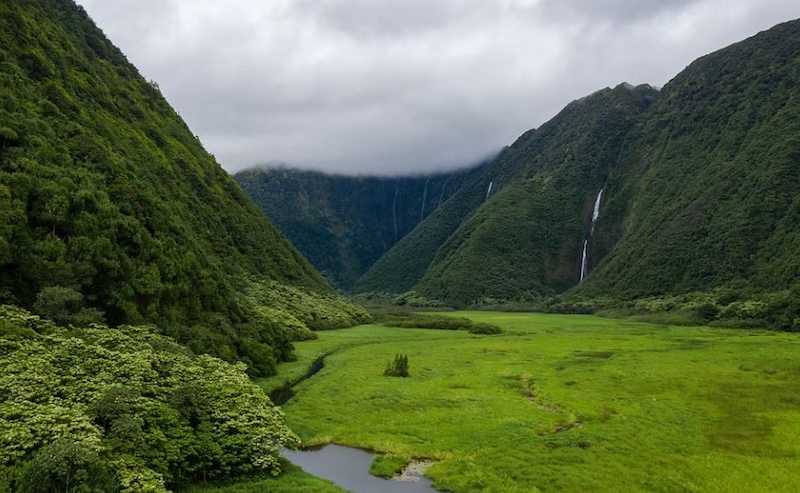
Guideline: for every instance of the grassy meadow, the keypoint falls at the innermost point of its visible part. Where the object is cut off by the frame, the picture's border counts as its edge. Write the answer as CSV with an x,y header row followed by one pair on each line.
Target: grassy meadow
x,y
562,403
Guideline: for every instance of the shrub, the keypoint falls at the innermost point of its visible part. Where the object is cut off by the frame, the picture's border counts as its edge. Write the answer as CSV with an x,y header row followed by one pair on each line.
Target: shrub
x,y
707,311
398,367
487,329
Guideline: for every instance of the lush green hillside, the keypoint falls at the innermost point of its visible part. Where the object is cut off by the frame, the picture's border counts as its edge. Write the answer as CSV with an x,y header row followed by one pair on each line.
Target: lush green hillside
x,y
712,193
405,263
124,410
110,208
698,195
526,241
343,224
525,237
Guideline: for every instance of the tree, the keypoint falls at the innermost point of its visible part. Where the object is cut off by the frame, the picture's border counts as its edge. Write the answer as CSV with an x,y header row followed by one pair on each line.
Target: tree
x,y
65,306
398,367
64,466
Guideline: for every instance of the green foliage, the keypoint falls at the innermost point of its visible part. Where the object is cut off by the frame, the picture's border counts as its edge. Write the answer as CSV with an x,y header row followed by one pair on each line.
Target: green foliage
x,y
302,310
111,208
523,240
65,306
716,159
397,367
396,318
485,329
82,408
293,480
387,465
572,403
66,467
343,224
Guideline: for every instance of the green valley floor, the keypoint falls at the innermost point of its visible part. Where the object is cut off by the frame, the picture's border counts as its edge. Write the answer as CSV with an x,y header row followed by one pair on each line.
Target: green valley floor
x,y
558,403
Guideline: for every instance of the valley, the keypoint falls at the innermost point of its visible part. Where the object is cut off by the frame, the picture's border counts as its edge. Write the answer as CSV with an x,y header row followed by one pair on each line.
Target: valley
x,y
611,302
561,403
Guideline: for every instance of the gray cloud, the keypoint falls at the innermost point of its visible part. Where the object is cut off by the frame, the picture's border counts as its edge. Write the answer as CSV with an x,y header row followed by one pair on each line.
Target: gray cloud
x,y
616,11
404,86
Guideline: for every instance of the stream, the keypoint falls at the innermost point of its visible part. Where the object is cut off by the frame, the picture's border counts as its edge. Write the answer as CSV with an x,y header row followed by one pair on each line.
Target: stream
x,y
348,467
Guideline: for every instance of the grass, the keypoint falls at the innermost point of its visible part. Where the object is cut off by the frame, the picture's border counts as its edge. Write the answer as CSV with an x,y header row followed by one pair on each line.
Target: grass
x,y
293,480
563,403
388,465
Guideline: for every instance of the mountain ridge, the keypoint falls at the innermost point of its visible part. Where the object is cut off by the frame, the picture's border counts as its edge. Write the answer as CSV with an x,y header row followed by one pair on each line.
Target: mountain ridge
x,y
110,207
697,196
343,224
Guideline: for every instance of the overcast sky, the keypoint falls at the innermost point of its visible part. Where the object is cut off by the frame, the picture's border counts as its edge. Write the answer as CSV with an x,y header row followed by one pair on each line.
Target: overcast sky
x,y
404,86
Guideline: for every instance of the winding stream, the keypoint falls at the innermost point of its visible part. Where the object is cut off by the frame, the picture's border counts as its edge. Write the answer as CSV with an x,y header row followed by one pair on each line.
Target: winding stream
x,y
348,467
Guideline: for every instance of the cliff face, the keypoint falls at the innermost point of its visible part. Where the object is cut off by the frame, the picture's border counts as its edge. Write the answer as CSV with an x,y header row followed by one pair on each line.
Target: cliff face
x,y
344,224
712,195
517,228
698,186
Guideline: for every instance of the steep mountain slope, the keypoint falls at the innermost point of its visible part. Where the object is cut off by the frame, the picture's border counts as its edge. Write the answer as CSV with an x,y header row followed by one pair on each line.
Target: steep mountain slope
x,y
343,224
712,197
405,263
111,208
517,229
699,192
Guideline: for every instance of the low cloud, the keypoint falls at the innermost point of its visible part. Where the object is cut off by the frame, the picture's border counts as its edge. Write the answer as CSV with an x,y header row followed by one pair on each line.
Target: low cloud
x,y
404,86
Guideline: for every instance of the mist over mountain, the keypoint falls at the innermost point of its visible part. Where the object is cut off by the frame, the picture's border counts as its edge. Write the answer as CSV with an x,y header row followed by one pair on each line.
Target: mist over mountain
x,y
697,183
343,224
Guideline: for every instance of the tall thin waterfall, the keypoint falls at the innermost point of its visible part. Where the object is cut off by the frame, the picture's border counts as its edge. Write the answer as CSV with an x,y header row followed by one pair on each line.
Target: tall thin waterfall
x,y
595,215
491,184
424,199
596,211
441,195
583,259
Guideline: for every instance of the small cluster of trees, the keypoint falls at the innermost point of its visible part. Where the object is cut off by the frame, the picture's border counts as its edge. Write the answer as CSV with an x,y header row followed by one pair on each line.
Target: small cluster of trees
x,y
398,367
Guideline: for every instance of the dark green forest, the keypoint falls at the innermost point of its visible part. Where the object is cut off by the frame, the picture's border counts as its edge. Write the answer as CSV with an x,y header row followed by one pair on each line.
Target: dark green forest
x,y
713,172
343,224
111,209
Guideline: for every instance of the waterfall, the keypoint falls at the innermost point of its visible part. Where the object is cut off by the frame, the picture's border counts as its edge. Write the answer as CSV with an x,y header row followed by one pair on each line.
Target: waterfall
x,y
490,189
595,215
596,211
583,259
441,196
424,198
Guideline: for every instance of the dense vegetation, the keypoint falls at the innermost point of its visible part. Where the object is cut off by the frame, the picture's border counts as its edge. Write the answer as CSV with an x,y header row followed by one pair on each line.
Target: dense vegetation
x,y
343,224
110,208
524,239
714,170
570,403
125,409
699,201
398,367
407,319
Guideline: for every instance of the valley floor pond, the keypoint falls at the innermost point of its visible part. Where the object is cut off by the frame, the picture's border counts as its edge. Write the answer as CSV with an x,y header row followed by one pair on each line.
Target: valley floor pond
x,y
556,403
345,466
349,468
